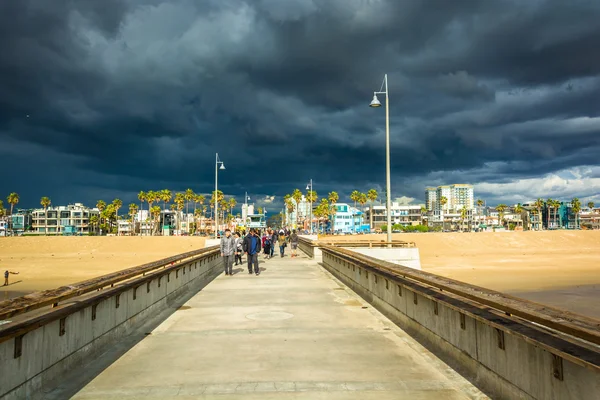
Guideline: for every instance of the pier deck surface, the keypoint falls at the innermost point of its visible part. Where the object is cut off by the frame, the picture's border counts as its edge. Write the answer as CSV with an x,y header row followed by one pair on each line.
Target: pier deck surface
x,y
294,332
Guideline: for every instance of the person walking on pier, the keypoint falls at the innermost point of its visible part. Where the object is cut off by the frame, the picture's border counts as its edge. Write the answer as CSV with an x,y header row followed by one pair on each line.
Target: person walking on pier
x,y
252,247
228,251
274,237
282,242
239,248
294,243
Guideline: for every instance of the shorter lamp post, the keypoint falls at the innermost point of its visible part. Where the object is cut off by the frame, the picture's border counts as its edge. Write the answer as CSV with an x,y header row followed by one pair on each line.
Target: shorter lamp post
x,y
217,168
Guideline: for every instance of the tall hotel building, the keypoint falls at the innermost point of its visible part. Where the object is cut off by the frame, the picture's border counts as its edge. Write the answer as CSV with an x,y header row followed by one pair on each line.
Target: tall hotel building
x,y
458,196
430,198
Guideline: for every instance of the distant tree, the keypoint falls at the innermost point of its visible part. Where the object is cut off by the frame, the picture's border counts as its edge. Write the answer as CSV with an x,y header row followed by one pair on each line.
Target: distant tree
x,y
101,206
463,216
372,195
501,208
142,198
45,203
539,204
297,196
355,197
591,205
480,203
117,203
133,210
13,200
443,202
550,207
576,208
189,196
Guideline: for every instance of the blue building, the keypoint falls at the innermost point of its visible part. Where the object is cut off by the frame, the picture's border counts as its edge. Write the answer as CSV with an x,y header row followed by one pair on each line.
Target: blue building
x,y
348,219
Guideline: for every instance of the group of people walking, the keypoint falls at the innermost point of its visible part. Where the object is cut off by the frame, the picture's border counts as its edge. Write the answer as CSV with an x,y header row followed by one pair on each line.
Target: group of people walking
x,y
234,246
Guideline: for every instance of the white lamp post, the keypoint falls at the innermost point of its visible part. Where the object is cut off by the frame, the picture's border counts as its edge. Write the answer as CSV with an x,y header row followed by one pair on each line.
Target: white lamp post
x,y
311,196
375,103
217,168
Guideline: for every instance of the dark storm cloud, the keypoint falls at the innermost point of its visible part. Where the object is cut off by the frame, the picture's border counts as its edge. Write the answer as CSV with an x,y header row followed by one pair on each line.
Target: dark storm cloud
x,y
109,98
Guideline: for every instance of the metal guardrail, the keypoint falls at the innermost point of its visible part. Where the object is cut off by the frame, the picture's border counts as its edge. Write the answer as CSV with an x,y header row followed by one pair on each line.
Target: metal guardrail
x,y
33,301
575,325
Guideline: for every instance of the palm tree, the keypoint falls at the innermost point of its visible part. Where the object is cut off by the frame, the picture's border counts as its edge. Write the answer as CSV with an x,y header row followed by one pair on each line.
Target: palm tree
x,y
2,210
94,221
443,202
133,209
151,197
180,200
518,209
463,216
165,195
480,203
591,205
501,208
45,202
155,212
118,203
297,196
232,204
576,208
539,204
372,195
13,199
549,207
333,198
189,196
555,206
355,196
101,206
259,209
142,198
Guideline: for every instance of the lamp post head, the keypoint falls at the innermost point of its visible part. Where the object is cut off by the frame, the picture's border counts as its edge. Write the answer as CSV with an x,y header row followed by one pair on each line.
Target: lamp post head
x,y
307,187
375,102
222,166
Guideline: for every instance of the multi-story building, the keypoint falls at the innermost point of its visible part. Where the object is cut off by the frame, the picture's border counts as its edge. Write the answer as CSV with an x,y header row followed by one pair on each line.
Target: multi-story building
x,y
457,196
430,198
347,219
401,214
20,222
74,218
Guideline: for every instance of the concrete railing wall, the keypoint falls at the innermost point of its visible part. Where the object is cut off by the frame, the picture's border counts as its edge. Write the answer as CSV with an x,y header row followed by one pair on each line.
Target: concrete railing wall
x,y
506,358
42,347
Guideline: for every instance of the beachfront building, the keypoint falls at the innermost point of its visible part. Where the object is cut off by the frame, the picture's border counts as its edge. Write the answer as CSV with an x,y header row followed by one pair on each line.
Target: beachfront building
x,y
458,196
405,215
430,198
3,226
347,219
63,220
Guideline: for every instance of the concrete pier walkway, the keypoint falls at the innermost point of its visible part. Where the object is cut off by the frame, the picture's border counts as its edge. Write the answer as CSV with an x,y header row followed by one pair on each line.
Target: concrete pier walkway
x,y
294,332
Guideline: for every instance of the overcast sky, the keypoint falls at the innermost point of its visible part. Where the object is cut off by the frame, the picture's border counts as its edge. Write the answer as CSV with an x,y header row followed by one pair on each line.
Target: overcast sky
x,y
102,99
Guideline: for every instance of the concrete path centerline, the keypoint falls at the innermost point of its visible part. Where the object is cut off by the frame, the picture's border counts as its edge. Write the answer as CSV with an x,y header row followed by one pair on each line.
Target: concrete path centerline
x,y
292,332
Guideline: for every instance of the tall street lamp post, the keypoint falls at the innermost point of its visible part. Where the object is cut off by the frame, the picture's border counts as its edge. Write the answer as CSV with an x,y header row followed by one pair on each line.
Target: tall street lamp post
x,y
311,197
217,168
375,103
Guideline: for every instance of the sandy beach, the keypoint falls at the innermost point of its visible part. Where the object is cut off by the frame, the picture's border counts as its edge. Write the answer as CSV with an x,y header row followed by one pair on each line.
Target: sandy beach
x,y
559,268
49,262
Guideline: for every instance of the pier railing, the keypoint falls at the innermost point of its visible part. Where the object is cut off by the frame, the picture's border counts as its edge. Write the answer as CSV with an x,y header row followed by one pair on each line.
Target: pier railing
x,y
44,334
512,347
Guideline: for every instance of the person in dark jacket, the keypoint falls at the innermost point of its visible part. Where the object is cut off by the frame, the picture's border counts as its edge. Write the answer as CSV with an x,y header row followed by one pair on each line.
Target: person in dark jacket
x,y
252,246
274,237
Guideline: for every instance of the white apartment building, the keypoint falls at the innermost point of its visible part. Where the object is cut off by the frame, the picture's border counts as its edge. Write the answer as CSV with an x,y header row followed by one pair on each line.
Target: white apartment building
x,y
401,214
430,198
71,219
457,196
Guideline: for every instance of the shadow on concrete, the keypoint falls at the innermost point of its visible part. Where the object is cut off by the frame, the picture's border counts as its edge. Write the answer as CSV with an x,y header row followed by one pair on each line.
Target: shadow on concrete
x,y
69,384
